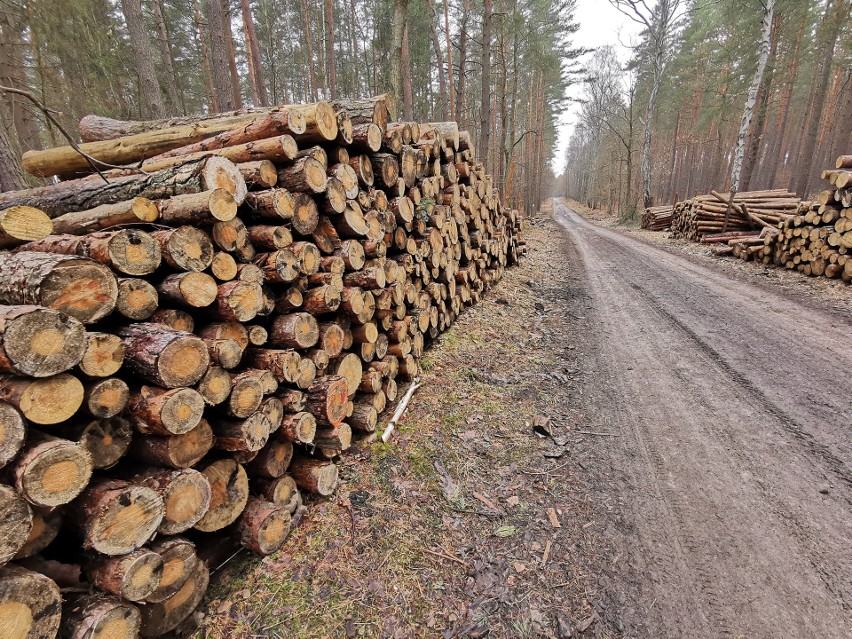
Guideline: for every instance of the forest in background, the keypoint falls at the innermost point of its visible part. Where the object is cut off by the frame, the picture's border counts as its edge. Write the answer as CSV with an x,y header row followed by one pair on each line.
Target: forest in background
x,y
710,51
499,67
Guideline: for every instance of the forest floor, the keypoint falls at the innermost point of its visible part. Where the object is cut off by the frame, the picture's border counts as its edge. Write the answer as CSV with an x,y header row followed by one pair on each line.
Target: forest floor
x,y
619,440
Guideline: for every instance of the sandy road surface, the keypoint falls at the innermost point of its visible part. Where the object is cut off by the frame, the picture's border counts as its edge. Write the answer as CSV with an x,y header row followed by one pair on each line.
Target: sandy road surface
x,y
733,406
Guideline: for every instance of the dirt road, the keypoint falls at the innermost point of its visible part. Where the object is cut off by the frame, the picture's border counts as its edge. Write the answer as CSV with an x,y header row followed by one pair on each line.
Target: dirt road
x,y
732,410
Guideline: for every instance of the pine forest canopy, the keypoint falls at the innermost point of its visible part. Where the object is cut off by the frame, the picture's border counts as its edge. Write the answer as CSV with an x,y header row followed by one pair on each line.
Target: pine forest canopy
x,y
145,59
798,124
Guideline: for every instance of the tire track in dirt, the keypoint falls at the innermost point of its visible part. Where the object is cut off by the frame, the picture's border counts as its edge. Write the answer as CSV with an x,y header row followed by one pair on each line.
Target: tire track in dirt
x,y
732,472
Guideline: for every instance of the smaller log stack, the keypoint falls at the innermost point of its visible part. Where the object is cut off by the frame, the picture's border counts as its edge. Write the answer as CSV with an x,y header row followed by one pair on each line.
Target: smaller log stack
x,y
657,218
705,214
185,351
818,241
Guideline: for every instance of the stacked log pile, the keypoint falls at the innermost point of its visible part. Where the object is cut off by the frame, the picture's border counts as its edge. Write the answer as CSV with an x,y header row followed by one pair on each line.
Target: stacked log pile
x,y
657,218
188,345
708,214
818,242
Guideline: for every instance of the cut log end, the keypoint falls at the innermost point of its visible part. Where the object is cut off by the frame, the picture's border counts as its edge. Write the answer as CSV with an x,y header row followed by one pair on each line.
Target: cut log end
x,y
30,604
23,224
16,523
229,494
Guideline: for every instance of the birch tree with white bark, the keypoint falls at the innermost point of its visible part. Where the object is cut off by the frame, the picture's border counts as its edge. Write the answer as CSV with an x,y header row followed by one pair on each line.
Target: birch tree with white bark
x,y
748,110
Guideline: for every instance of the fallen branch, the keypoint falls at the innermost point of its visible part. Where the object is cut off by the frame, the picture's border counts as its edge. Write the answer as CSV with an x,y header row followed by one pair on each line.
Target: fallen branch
x,y
92,161
400,409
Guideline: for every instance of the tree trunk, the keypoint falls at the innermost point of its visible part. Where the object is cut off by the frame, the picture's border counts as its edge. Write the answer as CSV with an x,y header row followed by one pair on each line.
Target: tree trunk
x,y
152,99
173,87
755,139
452,97
220,55
765,43
253,53
827,38
309,42
460,93
439,59
232,57
11,176
485,103
332,64
400,24
207,58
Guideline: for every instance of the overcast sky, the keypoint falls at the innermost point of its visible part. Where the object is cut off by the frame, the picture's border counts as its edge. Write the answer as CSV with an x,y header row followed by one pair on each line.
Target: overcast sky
x,y
600,24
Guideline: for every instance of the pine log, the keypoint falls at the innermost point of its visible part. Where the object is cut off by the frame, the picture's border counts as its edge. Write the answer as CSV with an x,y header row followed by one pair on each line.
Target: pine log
x,y
215,385
133,211
320,122
159,411
314,475
283,363
106,440
192,176
269,237
327,398
104,398
103,356
90,616
296,330
224,352
179,562
273,459
30,604
263,526
185,493
246,395
162,617
133,576
116,517
19,224
137,298
305,175
259,174
281,490
128,251
76,286
229,494
299,427
16,524
185,248
273,408
46,523
43,401
13,430
238,301
191,290
194,208
163,356
39,342
350,368
177,451
223,267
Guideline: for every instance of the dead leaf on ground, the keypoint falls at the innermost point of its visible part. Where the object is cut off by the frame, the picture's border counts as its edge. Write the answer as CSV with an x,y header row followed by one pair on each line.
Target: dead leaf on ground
x,y
506,531
554,520
490,504
513,500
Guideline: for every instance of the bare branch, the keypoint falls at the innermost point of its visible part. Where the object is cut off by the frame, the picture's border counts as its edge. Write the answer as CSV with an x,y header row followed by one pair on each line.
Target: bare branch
x,y
93,162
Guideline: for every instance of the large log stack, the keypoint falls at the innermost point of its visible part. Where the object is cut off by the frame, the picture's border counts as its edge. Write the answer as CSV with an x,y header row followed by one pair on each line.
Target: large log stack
x,y
709,214
818,242
188,347
657,218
